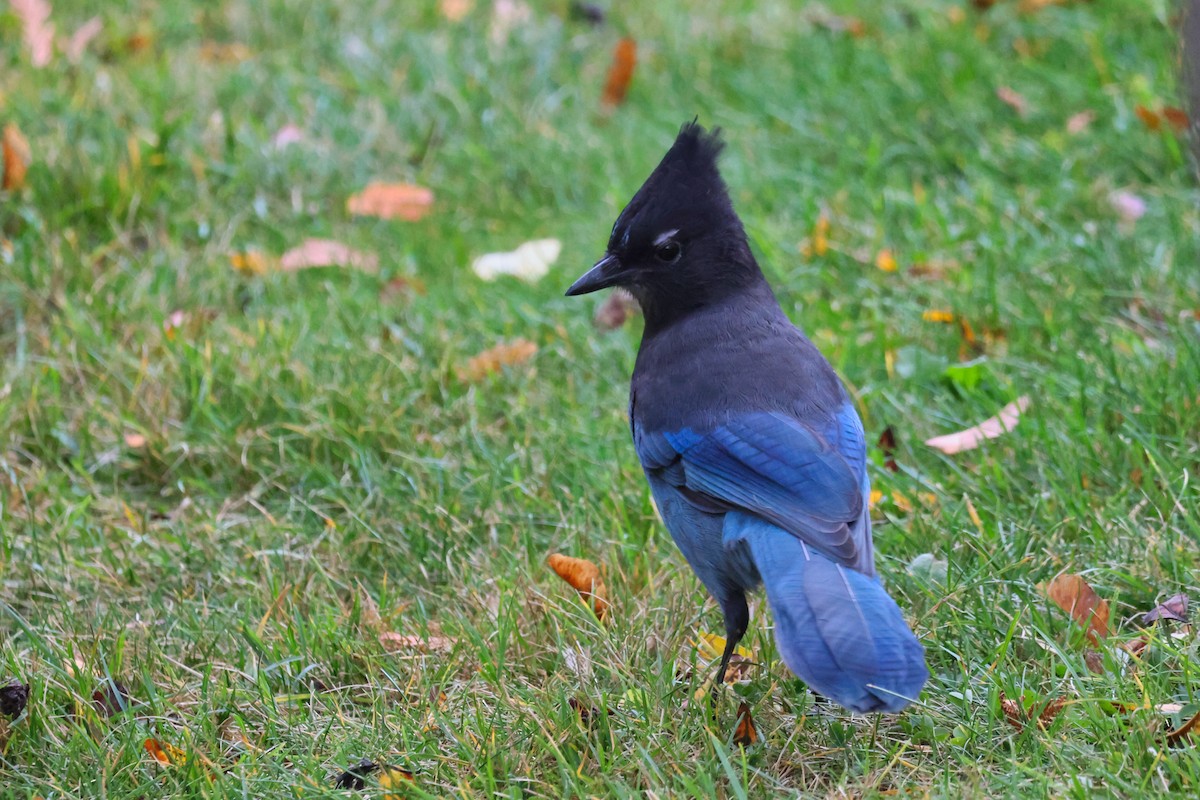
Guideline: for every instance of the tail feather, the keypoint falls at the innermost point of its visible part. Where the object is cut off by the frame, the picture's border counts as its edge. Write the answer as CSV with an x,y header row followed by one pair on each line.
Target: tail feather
x,y
836,628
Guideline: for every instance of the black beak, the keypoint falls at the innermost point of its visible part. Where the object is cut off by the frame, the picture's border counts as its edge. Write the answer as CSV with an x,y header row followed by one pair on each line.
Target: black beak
x,y
605,273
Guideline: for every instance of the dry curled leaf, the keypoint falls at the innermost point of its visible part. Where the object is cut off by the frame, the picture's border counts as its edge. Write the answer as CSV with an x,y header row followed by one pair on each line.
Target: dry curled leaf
x,y
13,698
1173,608
395,642
745,734
619,306
529,262
711,647
391,201
620,72
1019,717
1013,713
505,354
990,428
584,576
16,158
1183,731
1074,595
326,253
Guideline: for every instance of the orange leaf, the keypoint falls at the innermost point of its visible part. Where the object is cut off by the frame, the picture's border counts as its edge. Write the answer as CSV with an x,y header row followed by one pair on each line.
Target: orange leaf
x,y
250,262
990,428
393,642
886,261
505,354
391,201
620,73
16,158
584,576
326,253
164,752
1013,99
1073,594
938,315
745,733
1149,118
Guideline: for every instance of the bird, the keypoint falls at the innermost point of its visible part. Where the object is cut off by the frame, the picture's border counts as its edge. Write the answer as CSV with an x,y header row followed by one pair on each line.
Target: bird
x,y
754,452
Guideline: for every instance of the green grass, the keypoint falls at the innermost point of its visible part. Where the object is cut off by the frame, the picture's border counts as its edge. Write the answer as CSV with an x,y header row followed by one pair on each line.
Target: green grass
x,y
315,473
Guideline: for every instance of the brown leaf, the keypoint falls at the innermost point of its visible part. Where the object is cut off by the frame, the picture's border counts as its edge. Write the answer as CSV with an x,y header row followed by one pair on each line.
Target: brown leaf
x,y
1136,647
1149,118
1176,116
1078,123
1013,713
1175,608
620,72
745,734
395,642
37,29
224,52
391,201
990,428
164,752
16,158
1073,594
1094,661
615,310
887,444
1051,710
584,576
75,47
1184,730
1013,99
111,698
505,354
326,253
13,697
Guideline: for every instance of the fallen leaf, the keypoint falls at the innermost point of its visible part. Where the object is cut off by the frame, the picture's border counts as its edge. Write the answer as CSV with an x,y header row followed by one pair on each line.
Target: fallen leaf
x,y
16,158
37,29
711,647
135,441
111,698
1078,123
391,201
164,752
887,444
1074,595
1013,713
13,698
394,642
620,73
76,46
818,243
394,778
1051,710
529,262
1169,708
1136,647
1149,118
929,569
326,253
1013,99
1174,607
885,261
1129,206
1020,717
1184,730
352,778
584,576
745,734
455,10
619,306
505,354
938,315
874,498
250,262
990,428
1176,116
286,136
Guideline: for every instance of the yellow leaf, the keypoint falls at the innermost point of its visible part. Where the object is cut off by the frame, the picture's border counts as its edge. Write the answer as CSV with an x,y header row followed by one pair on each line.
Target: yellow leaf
x,y
886,261
394,778
938,315
876,496
250,262
164,752
711,647
820,237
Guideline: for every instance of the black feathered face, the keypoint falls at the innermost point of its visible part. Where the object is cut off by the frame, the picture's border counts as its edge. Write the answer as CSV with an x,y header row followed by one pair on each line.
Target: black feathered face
x,y
679,239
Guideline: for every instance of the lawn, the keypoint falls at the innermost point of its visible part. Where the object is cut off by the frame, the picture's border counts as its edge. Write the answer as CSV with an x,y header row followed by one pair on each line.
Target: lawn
x,y
264,518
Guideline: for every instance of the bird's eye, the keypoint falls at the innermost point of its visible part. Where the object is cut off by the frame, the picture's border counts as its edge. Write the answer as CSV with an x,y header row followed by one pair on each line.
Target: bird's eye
x,y
668,252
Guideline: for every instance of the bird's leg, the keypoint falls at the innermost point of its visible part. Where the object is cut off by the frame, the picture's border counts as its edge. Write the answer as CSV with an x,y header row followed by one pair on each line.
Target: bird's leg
x,y
737,618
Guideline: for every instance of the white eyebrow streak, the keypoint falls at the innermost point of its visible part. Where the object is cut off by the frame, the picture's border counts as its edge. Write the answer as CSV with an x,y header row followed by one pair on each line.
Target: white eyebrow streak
x,y
662,237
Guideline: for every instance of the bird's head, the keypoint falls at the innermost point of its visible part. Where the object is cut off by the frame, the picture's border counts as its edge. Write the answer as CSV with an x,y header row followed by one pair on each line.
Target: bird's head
x,y
678,244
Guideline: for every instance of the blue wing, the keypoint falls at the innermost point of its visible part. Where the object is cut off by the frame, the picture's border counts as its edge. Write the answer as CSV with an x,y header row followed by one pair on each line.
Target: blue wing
x,y
809,483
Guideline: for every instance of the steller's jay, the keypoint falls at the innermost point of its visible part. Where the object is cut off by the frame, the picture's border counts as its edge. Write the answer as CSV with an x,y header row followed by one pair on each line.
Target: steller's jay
x,y
755,455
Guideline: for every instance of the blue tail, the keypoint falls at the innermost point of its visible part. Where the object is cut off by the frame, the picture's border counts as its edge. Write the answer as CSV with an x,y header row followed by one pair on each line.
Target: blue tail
x,y
836,628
